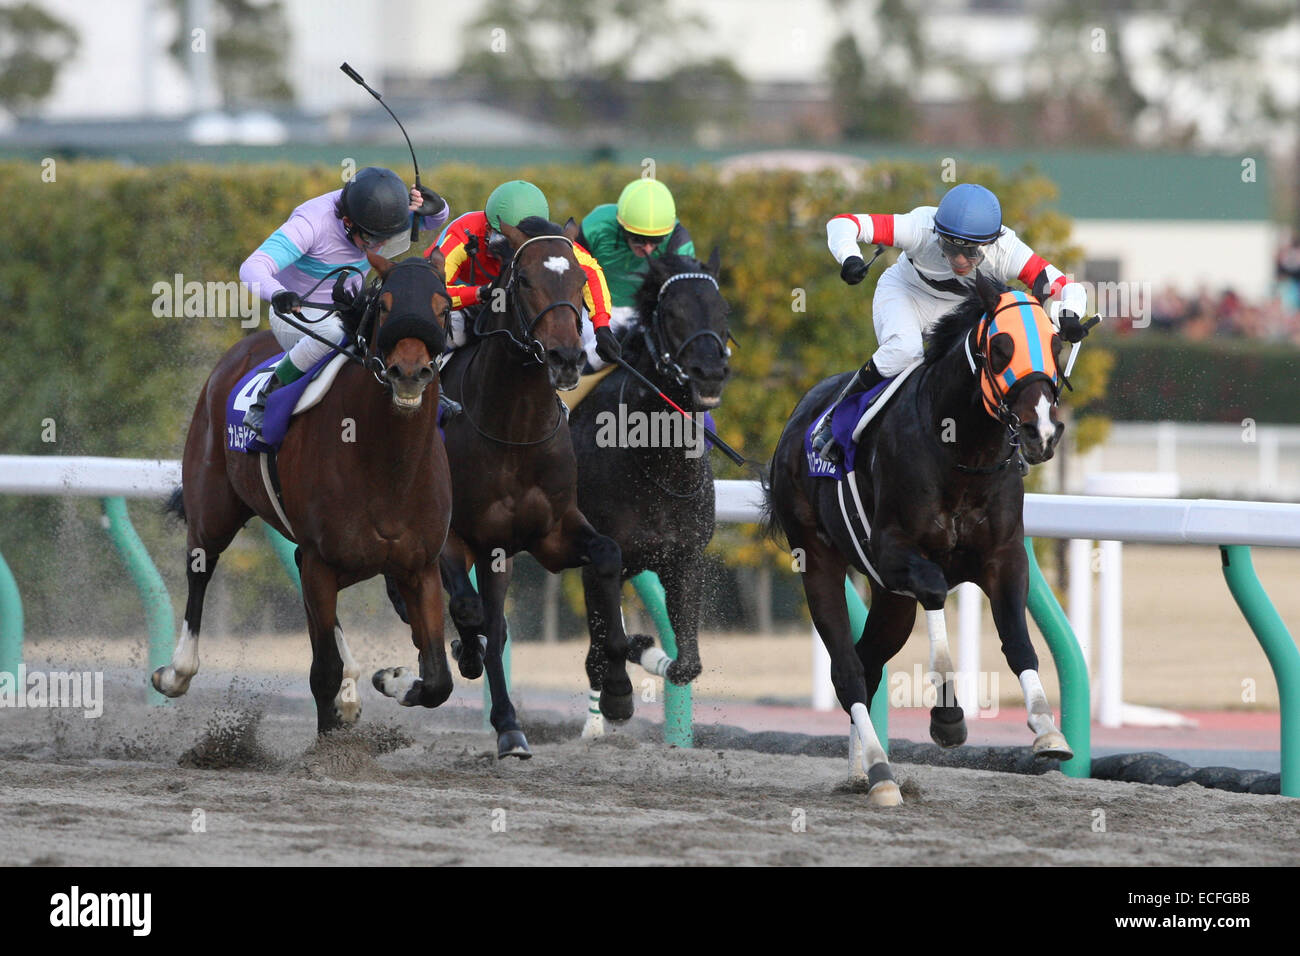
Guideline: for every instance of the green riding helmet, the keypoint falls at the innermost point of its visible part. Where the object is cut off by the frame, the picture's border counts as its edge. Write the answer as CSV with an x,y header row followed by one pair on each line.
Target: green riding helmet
x,y
510,202
646,208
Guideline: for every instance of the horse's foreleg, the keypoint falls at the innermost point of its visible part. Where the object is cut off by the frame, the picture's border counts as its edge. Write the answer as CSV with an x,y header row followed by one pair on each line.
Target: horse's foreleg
x,y
1007,585
823,583
320,591
173,680
682,597
947,720
576,543
423,596
466,606
493,585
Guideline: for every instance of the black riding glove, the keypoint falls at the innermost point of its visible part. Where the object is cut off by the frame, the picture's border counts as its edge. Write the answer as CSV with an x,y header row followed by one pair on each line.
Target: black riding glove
x,y
607,346
1072,330
433,203
854,270
285,301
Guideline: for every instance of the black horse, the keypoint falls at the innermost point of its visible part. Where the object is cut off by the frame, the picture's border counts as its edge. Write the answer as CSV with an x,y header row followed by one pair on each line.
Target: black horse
x,y
938,497
654,495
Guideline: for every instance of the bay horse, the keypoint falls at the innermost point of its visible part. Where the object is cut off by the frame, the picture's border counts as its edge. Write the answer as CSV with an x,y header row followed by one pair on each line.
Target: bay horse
x,y
366,489
514,475
940,494
656,502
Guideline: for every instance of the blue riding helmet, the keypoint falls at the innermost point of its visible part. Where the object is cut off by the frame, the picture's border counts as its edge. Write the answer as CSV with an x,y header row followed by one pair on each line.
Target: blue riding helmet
x,y
969,214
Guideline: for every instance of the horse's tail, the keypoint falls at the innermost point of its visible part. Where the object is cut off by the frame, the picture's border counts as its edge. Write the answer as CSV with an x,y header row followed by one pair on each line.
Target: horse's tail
x,y
768,525
175,504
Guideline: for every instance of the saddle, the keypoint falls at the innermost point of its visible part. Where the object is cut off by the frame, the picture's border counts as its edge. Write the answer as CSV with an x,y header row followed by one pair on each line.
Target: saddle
x,y
284,403
848,419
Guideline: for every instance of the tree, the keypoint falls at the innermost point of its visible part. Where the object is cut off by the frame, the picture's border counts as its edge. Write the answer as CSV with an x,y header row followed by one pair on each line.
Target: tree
x,y
248,40
33,45
868,91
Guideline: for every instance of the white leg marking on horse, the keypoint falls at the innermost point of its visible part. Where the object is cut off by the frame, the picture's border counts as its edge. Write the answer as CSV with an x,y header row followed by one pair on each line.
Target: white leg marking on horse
x,y
857,769
396,681
595,725
940,657
655,661
348,700
174,679
1049,741
885,793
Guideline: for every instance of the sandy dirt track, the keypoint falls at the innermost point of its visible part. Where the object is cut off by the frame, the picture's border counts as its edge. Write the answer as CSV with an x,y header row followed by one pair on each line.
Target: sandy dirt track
x,y
418,787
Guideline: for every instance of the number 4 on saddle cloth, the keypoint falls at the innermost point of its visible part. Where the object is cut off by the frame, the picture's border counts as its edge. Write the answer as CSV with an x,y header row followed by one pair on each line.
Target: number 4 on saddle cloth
x,y
281,405
847,421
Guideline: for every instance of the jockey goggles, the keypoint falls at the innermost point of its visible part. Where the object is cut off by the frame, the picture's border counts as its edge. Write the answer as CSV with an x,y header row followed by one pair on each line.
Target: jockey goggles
x,y
652,241
951,248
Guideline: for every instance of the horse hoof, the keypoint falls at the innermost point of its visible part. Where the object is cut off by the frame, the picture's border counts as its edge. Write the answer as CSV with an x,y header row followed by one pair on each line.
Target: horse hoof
x,y
616,707
885,794
512,743
471,665
637,644
157,678
1052,745
594,727
396,682
347,705
950,732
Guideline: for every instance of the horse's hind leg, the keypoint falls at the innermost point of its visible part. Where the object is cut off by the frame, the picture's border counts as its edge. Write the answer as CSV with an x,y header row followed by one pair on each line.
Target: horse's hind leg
x,y
466,607
493,585
213,516
1007,584
594,726
823,582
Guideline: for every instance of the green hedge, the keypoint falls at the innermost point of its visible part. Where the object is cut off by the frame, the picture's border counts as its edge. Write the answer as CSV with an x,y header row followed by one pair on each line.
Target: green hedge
x,y
85,251
1158,376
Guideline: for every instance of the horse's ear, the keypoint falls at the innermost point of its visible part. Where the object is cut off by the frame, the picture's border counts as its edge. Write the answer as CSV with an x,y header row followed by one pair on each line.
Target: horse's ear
x,y
715,260
436,259
379,264
1002,347
987,292
513,235
571,230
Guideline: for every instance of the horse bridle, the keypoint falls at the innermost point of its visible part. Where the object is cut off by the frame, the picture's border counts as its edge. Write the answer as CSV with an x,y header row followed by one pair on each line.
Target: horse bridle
x,y
533,349
668,362
980,365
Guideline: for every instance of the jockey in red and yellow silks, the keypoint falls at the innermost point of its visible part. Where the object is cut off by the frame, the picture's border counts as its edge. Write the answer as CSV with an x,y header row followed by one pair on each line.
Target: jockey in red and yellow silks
x,y
471,265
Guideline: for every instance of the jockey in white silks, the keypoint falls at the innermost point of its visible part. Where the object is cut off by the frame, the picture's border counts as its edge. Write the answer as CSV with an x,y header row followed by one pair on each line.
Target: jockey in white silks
x,y
942,247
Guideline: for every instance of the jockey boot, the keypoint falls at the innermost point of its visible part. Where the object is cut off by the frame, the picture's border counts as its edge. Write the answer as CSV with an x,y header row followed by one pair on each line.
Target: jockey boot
x,y
285,373
450,407
822,442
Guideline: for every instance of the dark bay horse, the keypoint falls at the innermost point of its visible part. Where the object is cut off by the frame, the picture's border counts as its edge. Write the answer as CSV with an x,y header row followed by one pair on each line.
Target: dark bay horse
x,y
514,477
362,500
942,498
655,497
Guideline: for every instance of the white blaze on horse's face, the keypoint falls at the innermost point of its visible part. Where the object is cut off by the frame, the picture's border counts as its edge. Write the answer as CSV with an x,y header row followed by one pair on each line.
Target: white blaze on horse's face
x,y
557,264
1046,430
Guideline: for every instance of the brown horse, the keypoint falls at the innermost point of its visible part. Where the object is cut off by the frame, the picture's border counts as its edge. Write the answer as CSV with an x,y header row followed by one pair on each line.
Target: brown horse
x,y
365,490
514,475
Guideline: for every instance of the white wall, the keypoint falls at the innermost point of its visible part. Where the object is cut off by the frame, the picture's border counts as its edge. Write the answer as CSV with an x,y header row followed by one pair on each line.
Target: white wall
x,y
1186,253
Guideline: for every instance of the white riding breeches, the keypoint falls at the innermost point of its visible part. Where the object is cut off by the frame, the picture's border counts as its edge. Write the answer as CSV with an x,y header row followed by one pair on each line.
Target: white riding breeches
x,y
902,313
304,351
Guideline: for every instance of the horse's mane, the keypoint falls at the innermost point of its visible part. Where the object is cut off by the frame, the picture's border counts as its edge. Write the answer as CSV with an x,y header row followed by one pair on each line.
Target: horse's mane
x,y
661,267
534,226
946,333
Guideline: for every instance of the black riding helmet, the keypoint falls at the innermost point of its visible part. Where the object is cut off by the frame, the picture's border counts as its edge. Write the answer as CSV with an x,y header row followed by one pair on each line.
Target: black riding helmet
x,y
377,202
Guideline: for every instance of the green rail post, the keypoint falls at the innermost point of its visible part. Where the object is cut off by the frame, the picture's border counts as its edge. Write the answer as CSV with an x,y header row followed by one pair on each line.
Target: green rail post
x,y
880,703
505,665
1071,671
679,703
11,622
153,592
284,549
1273,636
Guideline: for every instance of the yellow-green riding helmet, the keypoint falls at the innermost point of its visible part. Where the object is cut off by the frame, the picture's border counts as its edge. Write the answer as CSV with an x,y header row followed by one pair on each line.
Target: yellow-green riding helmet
x,y
646,208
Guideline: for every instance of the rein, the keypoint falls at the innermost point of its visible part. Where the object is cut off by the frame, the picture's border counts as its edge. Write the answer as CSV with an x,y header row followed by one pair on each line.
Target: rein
x,y
533,349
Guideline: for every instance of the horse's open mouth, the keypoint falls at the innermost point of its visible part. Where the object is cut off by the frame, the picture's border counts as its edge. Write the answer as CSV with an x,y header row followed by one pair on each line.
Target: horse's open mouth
x,y
565,379
408,403
708,397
